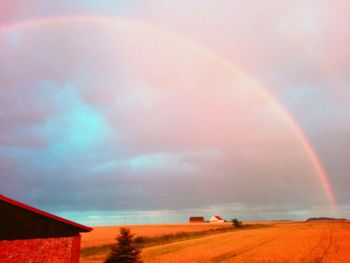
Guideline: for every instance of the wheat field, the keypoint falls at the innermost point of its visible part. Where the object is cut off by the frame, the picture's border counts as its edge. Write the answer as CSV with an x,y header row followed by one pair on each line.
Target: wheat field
x,y
306,242
106,234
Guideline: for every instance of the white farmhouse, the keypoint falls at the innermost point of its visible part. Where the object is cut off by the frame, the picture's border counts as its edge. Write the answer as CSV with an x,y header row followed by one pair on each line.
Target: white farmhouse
x,y
216,219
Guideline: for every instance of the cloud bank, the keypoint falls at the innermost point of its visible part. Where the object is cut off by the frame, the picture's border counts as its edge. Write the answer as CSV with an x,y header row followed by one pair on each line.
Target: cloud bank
x,y
116,117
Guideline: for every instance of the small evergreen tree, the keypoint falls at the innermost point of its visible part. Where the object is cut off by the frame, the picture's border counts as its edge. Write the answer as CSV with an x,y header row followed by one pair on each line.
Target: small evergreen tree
x,y
125,251
236,223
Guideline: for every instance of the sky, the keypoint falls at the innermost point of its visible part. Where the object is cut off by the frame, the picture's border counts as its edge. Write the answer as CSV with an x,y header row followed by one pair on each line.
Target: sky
x,y
129,112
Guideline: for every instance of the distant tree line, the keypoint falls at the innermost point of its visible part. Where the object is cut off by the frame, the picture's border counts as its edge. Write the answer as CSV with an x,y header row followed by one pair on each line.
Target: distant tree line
x,y
324,218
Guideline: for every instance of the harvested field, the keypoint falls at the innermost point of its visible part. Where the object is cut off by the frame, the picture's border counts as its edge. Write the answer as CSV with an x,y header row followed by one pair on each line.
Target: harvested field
x,y
106,234
284,242
102,235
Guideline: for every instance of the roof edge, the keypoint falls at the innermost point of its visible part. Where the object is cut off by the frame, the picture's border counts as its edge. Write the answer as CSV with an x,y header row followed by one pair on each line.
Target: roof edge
x,y
46,214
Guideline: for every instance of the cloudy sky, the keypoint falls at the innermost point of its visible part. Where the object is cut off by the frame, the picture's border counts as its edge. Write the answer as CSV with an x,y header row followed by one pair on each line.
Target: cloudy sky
x,y
115,112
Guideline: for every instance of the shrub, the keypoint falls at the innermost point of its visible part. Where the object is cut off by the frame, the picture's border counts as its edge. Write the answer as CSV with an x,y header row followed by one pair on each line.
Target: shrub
x,y
236,223
125,251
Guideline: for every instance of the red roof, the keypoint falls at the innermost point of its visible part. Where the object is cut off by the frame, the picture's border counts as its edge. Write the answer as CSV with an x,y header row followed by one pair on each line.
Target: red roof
x,y
82,228
218,218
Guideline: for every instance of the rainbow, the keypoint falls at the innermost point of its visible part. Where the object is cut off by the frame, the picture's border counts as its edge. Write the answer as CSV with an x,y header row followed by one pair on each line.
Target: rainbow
x,y
314,159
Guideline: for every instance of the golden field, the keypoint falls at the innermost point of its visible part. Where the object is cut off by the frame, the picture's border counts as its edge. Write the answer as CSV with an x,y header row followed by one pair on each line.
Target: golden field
x,y
317,241
106,234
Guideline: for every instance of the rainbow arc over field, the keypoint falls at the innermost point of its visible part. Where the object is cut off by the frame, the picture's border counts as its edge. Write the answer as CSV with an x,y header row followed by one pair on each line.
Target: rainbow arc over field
x,y
105,20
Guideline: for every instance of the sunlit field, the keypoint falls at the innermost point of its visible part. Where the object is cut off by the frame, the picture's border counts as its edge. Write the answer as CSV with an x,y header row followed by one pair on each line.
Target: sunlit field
x,y
106,234
327,241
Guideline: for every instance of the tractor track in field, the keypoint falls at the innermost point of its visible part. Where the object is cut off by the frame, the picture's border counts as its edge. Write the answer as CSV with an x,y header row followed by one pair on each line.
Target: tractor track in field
x,y
314,255
241,251
330,243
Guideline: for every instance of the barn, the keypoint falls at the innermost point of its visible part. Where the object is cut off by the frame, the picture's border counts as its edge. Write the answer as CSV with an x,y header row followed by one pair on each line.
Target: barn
x,y
196,219
216,219
28,234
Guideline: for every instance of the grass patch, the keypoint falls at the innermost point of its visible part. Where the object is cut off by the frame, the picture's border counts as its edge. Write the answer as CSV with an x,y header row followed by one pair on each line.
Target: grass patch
x,y
144,242
97,250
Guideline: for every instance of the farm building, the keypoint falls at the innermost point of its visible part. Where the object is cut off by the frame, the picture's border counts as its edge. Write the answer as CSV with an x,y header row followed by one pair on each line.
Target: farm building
x,y
216,219
28,234
196,219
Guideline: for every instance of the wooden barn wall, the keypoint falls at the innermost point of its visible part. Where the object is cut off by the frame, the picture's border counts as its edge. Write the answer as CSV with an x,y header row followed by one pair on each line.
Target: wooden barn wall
x,y
48,250
18,223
